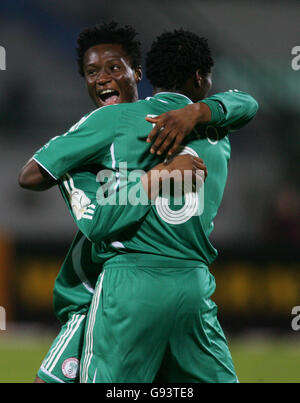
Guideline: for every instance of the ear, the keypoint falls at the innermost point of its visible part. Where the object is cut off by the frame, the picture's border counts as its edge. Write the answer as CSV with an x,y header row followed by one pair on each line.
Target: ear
x,y
198,79
138,75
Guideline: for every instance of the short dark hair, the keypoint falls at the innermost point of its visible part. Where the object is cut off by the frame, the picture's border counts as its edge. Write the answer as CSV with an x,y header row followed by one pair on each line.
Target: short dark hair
x,y
109,32
175,56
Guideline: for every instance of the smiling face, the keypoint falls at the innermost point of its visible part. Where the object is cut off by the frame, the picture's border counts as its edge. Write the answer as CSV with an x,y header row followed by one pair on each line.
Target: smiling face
x,y
109,75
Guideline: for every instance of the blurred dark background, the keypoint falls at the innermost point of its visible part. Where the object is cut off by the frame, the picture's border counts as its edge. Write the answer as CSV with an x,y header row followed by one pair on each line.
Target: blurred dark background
x,y
257,230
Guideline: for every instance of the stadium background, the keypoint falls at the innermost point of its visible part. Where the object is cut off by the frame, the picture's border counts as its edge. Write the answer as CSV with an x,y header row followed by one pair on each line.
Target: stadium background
x,y
257,231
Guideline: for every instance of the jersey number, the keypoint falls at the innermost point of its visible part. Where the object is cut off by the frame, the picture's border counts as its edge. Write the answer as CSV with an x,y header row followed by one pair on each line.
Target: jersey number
x,y
191,206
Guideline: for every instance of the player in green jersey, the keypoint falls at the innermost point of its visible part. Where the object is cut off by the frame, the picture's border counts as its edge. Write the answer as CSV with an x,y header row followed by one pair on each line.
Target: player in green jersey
x,y
216,362
100,46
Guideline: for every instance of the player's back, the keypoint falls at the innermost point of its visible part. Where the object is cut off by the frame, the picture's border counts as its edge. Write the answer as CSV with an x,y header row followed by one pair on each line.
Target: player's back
x,y
170,229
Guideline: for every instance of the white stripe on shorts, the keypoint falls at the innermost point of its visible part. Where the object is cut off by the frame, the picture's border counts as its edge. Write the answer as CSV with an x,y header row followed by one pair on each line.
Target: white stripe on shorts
x,y
63,342
88,353
55,378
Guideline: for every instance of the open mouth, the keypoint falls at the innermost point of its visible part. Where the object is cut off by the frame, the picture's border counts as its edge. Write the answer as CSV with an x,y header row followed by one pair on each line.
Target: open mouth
x,y
108,97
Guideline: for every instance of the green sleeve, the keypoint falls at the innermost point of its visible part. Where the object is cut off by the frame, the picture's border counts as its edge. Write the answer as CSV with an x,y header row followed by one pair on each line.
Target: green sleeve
x,y
98,217
85,143
232,109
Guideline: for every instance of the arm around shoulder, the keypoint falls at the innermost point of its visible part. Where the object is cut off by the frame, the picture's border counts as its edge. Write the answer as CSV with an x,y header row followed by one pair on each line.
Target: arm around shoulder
x,y
232,109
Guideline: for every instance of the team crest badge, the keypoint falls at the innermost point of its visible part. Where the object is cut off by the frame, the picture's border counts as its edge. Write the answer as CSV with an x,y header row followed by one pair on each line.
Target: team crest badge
x,y
70,368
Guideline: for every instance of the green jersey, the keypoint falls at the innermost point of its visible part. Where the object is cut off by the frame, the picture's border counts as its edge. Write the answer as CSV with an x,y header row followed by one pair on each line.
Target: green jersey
x,y
76,280
113,137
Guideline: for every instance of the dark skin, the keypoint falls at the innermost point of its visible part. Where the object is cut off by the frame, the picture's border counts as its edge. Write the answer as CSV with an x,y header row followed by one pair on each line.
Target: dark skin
x,y
152,181
110,79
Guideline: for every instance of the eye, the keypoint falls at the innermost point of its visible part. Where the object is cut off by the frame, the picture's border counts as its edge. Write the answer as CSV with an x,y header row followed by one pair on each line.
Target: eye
x,y
115,67
90,72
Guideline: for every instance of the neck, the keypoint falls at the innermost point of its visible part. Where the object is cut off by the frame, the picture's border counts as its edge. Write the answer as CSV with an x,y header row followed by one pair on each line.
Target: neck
x,y
157,90
188,94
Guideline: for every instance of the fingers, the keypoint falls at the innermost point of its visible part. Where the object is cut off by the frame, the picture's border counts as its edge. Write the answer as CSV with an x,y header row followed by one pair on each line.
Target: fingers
x,y
178,141
157,127
152,119
202,172
170,129
165,132
159,143
187,170
163,141
200,166
188,163
198,180
198,162
166,140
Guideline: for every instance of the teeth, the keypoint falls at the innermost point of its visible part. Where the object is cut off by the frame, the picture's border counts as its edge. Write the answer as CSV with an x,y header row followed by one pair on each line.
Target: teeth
x,y
105,92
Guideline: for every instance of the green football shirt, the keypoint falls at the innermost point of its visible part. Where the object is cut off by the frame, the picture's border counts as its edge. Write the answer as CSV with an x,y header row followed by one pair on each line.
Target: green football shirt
x,y
112,140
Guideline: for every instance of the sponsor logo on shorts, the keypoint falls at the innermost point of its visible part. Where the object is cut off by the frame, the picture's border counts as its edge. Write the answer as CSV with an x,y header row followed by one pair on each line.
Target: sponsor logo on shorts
x,y
70,368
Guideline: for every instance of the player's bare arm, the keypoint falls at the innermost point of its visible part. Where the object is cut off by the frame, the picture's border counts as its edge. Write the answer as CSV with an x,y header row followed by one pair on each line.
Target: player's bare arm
x,y
172,127
33,177
152,180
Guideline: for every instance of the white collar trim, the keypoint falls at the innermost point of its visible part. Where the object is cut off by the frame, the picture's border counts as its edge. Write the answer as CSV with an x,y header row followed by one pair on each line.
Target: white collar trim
x,y
175,93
